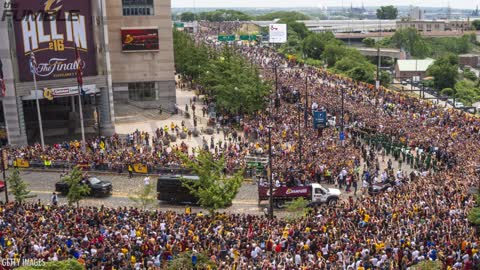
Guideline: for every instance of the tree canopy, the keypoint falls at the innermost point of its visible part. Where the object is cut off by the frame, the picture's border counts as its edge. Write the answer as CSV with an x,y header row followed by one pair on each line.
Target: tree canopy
x,y
283,15
476,24
76,189
221,15
214,188
387,13
444,71
228,79
18,187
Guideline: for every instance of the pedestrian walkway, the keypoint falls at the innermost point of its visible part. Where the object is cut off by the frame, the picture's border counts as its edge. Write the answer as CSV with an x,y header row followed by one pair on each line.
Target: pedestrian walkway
x,y
133,118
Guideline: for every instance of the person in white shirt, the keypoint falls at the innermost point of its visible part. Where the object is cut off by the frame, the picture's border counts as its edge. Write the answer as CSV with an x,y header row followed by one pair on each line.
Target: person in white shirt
x,y
146,181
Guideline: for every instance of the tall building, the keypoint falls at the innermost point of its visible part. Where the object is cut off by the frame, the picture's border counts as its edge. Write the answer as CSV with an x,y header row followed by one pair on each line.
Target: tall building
x,y
126,54
415,14
141,51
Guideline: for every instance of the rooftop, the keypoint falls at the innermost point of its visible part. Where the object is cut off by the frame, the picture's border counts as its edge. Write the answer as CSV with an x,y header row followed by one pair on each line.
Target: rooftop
x,y
414,64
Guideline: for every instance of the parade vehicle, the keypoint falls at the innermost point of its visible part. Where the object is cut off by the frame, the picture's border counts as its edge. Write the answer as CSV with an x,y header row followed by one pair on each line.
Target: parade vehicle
x,y
170,189
315,193
97,187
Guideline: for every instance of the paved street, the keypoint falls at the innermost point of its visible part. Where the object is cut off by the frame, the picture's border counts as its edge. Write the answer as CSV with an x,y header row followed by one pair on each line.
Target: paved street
x,y
42,184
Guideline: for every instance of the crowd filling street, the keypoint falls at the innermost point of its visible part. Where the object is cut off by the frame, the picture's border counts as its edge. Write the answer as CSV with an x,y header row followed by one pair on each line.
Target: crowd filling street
x,y
423,216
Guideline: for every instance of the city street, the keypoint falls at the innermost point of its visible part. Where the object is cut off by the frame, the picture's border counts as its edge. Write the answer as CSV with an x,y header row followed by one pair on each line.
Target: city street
x,y
42,184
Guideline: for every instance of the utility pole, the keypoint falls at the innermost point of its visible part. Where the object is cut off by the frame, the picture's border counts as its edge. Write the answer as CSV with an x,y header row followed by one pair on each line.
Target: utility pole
x,y
377,83
299,132
270,209
306,101
4,168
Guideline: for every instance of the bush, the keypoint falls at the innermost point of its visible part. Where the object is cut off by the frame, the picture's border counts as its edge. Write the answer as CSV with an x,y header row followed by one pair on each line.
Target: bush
x,y
447,92
60,265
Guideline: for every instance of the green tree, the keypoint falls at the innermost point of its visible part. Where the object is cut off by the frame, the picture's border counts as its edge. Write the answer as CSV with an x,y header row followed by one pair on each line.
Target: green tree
x,y
76,189
184,261
18,187
234,84
467,73
145,196
411,41
314,44
298,27
385,78
297,208
334,51
214,188
188,16
387,13
476,24
58,265
369,42
444,71
221,15
428,265
283,15
447,92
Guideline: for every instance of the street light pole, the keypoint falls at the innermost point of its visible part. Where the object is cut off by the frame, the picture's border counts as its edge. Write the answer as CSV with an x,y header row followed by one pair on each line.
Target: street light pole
x,y
270,209
299,132
306,100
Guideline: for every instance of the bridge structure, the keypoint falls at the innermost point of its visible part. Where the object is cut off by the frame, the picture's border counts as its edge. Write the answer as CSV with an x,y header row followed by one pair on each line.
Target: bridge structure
x,y
384,52
345,36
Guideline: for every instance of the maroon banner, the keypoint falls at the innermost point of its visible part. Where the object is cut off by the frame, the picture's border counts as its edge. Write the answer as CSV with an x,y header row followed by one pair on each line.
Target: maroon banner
x,y
145,39
285,192
50,29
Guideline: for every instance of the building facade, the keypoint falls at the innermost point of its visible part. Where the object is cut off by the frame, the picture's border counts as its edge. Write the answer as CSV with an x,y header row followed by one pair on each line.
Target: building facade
x,y
413,69
435,25
141,50
126,52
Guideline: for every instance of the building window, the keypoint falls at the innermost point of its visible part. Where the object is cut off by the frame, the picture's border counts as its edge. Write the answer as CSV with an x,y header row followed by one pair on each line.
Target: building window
x,y
142,91
137,7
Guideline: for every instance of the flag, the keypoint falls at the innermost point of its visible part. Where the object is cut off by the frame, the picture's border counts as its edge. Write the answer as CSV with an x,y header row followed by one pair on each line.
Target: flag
x,y
78,61
33,63
3,89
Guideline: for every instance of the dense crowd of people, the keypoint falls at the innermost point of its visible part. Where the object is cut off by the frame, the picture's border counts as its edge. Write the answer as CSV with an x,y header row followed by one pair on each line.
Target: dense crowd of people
x,y
423,218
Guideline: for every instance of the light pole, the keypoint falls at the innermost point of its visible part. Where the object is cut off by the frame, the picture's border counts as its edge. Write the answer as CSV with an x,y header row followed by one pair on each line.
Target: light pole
x,y
299,106
306,100
270,209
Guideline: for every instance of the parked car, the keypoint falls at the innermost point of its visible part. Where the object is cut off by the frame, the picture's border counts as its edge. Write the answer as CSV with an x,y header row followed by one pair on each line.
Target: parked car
x,y
459,105
97,187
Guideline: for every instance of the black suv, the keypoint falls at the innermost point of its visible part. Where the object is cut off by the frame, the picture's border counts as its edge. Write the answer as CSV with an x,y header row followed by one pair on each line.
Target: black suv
x,y
97,186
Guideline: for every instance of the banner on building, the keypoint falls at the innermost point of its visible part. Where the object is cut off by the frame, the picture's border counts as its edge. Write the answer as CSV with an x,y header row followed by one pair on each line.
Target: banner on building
x,y
140,168
139,39
51,93
22,163
51,29
277,33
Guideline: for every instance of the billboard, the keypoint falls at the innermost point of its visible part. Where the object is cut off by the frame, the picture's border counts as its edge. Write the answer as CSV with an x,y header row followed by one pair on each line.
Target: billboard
x,y
277,33
50,29
139,39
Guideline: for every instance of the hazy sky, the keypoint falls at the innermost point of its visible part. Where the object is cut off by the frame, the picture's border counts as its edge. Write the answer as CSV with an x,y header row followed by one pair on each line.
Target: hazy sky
x,y
470,4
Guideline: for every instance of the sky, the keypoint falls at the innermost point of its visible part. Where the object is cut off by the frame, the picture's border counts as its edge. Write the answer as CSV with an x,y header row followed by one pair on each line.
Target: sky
x,y
467,4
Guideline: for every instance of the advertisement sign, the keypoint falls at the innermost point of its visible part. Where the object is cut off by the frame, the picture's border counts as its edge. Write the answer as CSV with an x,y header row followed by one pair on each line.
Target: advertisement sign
x,y
50,29
139,39
21,163
277,33
319,119
51,93
140,168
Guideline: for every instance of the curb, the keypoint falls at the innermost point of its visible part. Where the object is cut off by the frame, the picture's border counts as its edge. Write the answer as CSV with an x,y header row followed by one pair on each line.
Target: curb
x,y
245,180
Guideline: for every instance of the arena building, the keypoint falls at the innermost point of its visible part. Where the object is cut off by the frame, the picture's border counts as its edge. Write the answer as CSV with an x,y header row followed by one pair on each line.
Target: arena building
x,y
126,53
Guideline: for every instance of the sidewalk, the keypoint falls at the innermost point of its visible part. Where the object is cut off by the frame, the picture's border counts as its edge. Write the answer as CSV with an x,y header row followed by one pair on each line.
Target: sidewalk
x,y
133,118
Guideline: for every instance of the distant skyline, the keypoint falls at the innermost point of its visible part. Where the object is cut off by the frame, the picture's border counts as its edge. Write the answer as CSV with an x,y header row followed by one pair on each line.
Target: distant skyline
x,y
456,4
